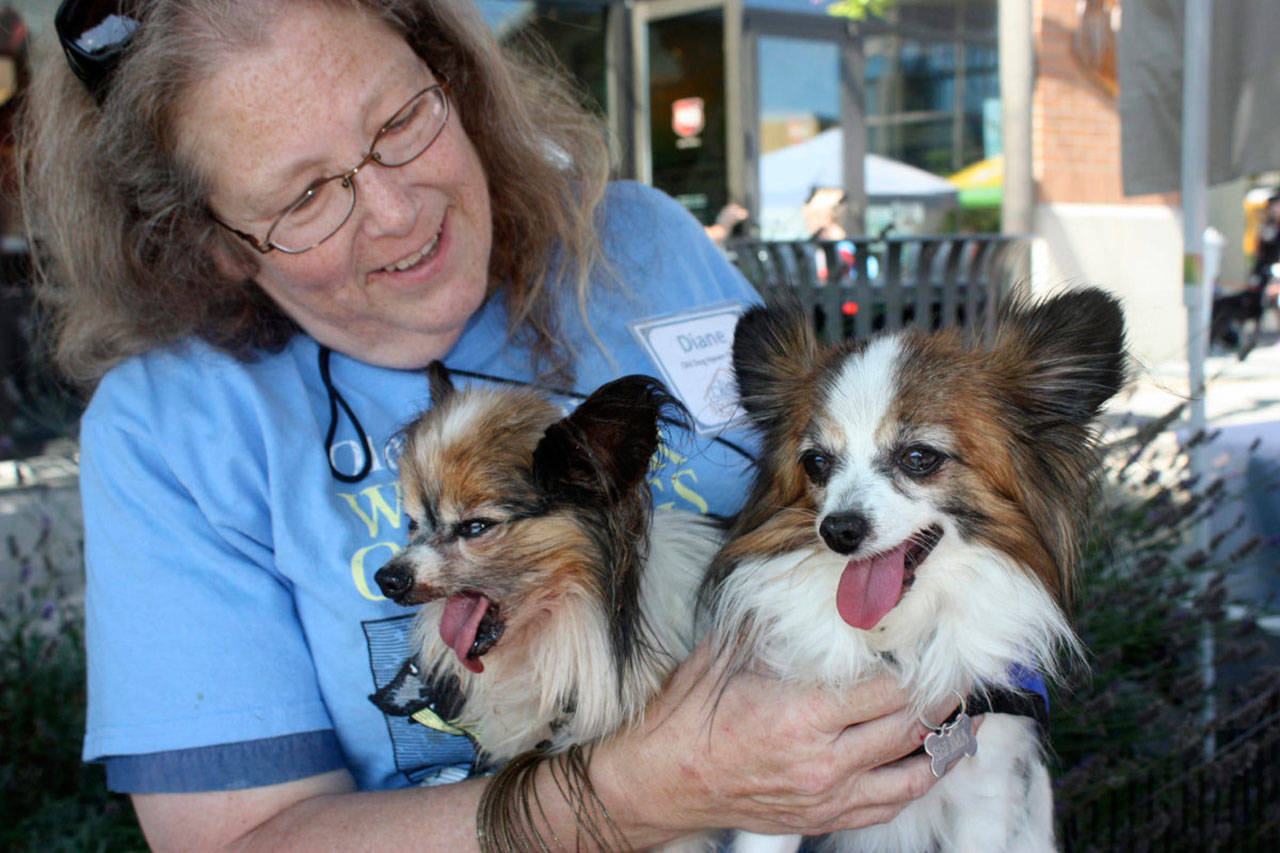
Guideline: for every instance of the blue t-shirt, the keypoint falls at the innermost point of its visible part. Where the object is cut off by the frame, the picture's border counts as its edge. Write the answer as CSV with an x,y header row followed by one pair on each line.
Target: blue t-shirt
x,y
235,634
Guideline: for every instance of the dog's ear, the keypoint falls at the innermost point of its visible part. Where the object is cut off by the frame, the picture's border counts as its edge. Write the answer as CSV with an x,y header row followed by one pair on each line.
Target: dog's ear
x,y
602,450
439,382
1070,351
774,351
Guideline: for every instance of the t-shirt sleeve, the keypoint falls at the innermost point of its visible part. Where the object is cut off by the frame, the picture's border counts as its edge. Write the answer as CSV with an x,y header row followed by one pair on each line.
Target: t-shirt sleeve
x,y
678,251
192,637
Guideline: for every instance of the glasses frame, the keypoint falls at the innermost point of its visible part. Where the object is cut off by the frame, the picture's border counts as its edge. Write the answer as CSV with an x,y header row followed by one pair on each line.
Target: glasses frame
x,y
347,178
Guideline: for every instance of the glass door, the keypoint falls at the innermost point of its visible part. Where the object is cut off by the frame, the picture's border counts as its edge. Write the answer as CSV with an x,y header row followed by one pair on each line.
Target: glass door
x,y
805,135
687,123
801,138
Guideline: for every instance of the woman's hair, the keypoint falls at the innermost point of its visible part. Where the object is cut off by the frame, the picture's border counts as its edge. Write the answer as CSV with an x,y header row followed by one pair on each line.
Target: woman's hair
x,y
125,245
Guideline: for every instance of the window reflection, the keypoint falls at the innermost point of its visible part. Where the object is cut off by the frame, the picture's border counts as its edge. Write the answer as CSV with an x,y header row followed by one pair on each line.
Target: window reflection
x,y
932,84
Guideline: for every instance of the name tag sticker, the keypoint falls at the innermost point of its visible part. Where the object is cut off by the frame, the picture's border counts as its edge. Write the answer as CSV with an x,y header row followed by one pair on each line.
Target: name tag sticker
x,y
694,353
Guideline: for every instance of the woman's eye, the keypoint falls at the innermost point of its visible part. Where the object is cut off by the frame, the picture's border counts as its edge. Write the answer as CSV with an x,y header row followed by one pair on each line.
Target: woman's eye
x,y
817,466
306,206
919,460
473,527
401,121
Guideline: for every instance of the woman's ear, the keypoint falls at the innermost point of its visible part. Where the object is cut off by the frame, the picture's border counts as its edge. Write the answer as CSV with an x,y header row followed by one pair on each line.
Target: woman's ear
x,y
232,262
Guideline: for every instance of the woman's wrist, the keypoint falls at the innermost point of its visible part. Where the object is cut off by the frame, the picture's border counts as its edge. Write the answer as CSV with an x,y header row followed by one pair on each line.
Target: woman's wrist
x,y
642,810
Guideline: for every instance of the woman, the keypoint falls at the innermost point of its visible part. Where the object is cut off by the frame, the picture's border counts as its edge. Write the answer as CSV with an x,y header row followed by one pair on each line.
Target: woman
x,y
260,220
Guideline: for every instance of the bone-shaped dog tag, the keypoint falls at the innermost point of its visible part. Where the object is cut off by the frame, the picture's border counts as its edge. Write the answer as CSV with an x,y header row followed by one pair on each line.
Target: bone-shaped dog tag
x,y
950,743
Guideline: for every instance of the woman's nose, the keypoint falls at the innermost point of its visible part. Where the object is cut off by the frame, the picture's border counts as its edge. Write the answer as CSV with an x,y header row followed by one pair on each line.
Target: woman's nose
x,y
384,201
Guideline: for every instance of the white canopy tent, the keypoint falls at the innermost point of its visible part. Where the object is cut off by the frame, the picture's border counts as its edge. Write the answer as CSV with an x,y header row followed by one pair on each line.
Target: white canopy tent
x,y
788,175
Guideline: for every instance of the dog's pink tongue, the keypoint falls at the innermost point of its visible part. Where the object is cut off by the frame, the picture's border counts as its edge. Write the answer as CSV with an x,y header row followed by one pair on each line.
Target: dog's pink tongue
x,y
458,625
870,588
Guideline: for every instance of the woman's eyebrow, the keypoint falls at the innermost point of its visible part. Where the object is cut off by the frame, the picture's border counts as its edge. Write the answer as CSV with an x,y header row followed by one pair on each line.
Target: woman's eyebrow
x,y
285,186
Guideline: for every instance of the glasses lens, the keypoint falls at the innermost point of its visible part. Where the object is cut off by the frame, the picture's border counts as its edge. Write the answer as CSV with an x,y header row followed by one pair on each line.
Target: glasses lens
x,y
321,210
412,130
325,206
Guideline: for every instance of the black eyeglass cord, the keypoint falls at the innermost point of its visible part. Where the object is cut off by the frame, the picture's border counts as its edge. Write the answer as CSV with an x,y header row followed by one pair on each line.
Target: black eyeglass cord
x,y
336,401
736,448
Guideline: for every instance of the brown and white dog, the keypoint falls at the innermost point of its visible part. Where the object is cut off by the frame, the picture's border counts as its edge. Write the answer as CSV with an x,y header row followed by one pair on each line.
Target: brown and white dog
x,y
918,511
551,590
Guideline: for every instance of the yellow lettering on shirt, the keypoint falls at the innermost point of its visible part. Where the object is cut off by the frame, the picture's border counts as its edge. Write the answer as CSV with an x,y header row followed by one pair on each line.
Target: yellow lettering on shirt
x,y
378,506
663,460
687,493
666,453
360,574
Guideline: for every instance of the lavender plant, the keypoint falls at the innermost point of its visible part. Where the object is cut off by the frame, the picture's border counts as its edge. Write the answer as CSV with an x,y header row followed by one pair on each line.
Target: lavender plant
x,y
1158,616
49,800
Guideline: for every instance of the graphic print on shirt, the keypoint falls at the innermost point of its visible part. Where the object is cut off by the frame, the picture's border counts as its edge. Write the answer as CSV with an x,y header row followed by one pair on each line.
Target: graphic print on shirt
x,y
428,751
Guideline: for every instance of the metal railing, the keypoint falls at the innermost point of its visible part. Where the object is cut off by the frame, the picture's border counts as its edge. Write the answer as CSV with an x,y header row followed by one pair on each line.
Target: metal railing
x,y
1230,802
863,285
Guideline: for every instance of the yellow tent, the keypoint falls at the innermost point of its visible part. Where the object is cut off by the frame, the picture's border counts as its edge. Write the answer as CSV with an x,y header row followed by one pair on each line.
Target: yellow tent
x,y
981,184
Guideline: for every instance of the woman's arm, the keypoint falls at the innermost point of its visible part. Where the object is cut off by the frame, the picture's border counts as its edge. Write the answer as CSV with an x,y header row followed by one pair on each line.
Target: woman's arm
x,y
760,755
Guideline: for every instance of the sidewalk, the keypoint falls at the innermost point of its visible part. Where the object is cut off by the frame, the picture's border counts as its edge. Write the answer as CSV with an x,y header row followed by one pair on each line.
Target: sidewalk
x,y
1237,392
1242,402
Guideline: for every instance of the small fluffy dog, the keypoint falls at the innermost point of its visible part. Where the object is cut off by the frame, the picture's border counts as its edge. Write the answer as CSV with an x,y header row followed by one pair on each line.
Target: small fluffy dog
x,y
918,511
554,598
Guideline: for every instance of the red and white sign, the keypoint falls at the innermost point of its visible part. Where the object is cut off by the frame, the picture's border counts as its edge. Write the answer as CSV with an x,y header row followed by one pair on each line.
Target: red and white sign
x,y
688,117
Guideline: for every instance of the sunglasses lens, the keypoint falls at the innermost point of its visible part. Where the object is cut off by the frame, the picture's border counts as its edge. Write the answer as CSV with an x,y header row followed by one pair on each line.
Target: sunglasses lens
x,y
92,34
94,26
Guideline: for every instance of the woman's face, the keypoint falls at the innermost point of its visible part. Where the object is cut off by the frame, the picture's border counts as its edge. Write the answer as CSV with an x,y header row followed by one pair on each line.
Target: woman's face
x,y
268,123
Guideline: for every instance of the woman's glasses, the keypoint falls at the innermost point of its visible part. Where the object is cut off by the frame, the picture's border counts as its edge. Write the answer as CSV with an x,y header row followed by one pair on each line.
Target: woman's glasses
x,y
326,204
93,34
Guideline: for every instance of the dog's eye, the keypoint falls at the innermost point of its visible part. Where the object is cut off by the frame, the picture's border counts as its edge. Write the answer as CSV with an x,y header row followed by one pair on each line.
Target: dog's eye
x,y
817,466
413,526
919,460
473,527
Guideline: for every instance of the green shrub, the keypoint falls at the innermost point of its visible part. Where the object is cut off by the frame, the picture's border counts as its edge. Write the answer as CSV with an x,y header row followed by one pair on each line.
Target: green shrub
x,y
49,800
1153,608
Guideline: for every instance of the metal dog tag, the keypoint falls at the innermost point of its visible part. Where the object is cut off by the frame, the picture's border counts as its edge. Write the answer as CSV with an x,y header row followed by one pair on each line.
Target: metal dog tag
x,y
950,743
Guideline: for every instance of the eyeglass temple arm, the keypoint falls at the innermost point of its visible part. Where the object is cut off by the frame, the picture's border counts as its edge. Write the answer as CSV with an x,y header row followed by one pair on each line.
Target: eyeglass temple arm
x,y
253,241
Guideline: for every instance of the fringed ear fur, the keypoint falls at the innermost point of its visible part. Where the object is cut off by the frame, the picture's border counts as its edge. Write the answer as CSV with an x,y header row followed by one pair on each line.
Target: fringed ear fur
x,y
602,450
774,350
1073,352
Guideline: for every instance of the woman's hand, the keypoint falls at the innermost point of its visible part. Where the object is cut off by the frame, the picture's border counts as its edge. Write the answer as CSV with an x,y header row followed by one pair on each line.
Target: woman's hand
x,y
763,756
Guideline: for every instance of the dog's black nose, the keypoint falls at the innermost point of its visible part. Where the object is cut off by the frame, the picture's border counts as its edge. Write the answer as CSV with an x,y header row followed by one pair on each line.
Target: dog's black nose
x,y
394,579
844,532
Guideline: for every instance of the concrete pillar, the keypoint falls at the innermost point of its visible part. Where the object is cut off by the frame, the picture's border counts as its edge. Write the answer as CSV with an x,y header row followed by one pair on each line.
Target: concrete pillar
x,y
1017,84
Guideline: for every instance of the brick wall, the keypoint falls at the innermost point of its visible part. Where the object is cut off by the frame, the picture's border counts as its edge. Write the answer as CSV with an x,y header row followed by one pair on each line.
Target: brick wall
x,y
1075,120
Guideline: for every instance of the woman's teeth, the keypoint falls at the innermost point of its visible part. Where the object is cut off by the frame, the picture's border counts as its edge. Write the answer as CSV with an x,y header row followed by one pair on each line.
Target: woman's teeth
x,y
416,258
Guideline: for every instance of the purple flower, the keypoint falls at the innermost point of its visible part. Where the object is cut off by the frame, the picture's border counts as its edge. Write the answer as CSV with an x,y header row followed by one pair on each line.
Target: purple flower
x,y
46,612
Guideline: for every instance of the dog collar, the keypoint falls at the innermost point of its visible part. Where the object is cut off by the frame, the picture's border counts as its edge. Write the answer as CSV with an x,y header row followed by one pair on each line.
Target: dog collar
x,y
1028,698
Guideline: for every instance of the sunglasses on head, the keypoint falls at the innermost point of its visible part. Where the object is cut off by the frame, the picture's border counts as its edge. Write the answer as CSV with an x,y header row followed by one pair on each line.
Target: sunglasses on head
x,y
93,35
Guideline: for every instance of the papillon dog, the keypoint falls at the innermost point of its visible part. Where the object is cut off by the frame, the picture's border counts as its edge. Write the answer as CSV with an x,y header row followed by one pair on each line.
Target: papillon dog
x,y
554,598
919,510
